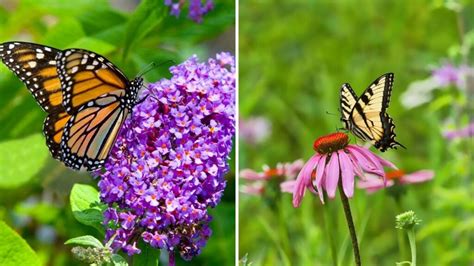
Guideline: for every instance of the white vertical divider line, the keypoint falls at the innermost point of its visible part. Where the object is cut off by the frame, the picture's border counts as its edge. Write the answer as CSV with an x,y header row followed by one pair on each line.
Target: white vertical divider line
x,y
237,60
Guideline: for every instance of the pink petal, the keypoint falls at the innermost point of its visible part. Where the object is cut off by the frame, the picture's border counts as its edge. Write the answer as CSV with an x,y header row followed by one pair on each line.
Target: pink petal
x,y
253,189
291,169
288,186
332,175
304,179
373,183
250,174
319,177
417,177
366,160
347,174
385,162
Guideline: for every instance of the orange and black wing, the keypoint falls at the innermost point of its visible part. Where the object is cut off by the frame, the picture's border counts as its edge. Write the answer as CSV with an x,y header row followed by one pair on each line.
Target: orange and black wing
x,y
53,128
87,76
90,133
36,66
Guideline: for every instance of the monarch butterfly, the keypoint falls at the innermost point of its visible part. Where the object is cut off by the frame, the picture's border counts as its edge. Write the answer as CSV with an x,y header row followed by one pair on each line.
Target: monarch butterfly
x,y
86,97
366,116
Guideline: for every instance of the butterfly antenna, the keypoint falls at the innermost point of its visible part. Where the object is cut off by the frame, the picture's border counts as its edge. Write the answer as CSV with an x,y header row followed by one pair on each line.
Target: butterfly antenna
x,y
147,69
328,113
153,65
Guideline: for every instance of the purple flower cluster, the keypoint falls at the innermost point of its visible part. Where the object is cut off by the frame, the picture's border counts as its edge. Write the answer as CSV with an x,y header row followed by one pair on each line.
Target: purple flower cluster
x,y
168,163
197,9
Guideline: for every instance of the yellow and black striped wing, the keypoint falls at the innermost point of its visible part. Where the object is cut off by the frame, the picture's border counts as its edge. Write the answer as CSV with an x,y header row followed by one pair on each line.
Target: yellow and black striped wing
x,y
90,133
87,76
36,66
348,100
368,119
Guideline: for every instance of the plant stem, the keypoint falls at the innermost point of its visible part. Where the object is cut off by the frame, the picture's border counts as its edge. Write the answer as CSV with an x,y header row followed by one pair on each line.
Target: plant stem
x,y
171,261
411,239
350,223
400,234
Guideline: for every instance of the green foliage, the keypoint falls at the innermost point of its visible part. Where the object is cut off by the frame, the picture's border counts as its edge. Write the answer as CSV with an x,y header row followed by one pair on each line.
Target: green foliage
x,y
294,56
35,188
148,257
85,241
20,166
85,206
14,250
146,17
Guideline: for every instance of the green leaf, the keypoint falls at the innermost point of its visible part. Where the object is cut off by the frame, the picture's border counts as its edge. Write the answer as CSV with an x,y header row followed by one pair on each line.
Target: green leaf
x,y
85,241
146,17
14,250
21,160
118,260
67,31
148,257
93,44
84,205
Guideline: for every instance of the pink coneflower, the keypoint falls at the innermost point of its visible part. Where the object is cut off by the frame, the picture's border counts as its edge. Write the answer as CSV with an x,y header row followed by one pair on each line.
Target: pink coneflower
x,y
336,160
283,171
255,188
372,184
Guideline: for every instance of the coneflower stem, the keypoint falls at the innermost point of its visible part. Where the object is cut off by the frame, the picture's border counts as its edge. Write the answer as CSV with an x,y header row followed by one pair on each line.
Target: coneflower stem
x,y
411,239
350,223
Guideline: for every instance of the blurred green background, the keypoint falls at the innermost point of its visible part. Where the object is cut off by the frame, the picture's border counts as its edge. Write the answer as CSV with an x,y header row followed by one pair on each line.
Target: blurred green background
x,y
34,189
294,56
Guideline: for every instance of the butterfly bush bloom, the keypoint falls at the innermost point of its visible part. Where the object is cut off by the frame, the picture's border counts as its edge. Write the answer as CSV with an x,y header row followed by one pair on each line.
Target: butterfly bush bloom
x,y
168,163
336,161
197,8
372,184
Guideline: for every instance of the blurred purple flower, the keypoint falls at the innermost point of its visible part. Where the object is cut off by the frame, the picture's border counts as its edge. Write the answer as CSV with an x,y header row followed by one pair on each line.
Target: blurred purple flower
x,y
419,92
168,163
254,130
335,159
197,8
372,184
448,74
465,132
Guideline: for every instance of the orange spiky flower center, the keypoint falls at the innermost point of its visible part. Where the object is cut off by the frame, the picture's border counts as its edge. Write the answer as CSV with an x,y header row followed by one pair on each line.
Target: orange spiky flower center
x,y
396,174
330,143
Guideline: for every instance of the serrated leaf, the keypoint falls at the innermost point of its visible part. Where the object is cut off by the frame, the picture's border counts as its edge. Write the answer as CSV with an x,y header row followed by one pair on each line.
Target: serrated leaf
x,y
148,256
85,241
21,160
14,250
84,205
